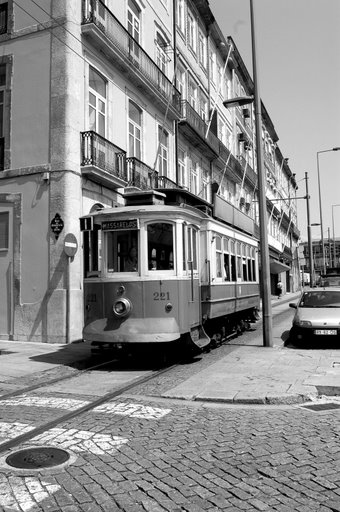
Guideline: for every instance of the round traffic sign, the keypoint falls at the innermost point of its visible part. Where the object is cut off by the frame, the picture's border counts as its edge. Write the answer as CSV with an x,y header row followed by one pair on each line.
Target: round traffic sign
x,y
70,244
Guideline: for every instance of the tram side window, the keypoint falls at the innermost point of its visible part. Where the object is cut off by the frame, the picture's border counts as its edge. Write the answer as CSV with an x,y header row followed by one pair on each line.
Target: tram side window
x,y
160,246
232,261
122,251
92,252
250,270
244,264
218,243
239,262
253,266
226,260
189,247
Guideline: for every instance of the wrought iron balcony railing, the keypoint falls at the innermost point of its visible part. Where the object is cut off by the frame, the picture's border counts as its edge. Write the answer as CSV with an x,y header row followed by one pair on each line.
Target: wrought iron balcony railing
x,y
141,175
99,152
137,60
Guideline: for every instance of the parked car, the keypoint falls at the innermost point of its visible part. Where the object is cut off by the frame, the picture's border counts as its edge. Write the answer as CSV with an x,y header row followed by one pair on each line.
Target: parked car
x,y
317,318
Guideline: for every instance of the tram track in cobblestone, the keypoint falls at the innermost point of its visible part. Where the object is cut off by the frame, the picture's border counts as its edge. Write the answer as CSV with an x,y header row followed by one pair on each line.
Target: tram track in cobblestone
x,y
27,436
55,380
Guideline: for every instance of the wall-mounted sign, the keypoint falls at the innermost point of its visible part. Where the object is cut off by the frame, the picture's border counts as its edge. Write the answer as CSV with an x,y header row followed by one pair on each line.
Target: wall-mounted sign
x,y
57,225
115,225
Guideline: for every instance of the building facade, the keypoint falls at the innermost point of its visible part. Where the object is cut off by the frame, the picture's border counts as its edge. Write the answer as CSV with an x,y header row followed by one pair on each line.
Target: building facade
x,y
100,96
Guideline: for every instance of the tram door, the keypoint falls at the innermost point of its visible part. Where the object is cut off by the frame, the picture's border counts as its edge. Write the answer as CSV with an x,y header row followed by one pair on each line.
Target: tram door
x,y
190,262
6,269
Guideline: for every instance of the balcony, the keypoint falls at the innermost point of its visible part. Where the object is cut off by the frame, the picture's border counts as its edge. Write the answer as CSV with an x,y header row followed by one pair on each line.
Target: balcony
x,y
194,128
102,161
140,175
233,215
108,35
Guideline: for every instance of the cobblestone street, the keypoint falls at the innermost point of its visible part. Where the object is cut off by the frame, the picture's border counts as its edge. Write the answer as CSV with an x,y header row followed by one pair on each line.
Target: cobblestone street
x,y
141,452
151,455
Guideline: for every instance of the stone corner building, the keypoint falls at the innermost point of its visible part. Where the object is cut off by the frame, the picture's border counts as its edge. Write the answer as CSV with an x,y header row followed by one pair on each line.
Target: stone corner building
x,y
99,96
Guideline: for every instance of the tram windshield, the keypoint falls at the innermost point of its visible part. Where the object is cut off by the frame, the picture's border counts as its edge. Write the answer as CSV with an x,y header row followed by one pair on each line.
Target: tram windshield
x,y
122,251
160,246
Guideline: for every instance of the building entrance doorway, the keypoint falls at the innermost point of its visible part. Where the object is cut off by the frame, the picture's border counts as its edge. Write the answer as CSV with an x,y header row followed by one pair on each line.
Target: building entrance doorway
x,y
6,269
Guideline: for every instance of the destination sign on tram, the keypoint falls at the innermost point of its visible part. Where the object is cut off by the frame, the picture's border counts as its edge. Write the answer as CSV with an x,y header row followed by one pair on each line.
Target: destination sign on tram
x,y
115,225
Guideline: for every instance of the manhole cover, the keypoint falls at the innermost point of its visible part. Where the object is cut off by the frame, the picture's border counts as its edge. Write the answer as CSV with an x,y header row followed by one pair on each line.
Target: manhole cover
x,y
35,458
322,407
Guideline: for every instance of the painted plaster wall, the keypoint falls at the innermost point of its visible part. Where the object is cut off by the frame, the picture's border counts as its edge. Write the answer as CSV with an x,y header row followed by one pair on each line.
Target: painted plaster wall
x,y
30,100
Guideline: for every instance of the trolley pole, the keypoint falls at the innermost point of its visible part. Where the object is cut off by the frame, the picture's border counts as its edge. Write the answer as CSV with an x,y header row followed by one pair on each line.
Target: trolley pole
x,y
309,234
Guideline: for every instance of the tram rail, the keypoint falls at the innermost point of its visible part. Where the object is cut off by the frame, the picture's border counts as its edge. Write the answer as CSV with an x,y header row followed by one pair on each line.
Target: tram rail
x,y
27,436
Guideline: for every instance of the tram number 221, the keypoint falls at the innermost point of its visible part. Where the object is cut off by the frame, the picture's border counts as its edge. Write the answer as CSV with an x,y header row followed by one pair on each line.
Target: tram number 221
x,y
161,295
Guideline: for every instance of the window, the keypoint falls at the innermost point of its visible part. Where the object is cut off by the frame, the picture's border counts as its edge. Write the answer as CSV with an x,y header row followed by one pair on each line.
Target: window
x,y
202,49
218,246
161,56
226,260
181,81
92,252
204,108
3,18
194,177
244,263
97,102
190,259
163,154
4,230
205,184
133,25
2,113
232,261
160,246
238,261
122,251
193,94
180,15
135,130
192,37
212,63
181,167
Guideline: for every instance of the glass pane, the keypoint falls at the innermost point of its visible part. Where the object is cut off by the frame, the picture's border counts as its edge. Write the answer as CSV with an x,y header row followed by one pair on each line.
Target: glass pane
x,y
122,251
101,125
4,227
2,74
160,246
92,100
97,82
92,119
135,113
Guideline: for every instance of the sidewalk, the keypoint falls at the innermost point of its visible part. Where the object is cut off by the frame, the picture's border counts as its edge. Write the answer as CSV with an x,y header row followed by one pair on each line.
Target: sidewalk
x,y
247,374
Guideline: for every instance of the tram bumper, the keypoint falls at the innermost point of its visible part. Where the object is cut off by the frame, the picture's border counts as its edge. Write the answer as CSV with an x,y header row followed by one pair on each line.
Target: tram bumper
x,y
133,330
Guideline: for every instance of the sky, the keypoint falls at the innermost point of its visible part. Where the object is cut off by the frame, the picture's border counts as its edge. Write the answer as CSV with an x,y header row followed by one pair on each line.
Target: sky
x,y
298,67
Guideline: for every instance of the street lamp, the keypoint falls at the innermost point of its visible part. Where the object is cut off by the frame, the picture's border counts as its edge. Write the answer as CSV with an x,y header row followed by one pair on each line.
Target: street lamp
x,y
334,247
264,248
320,210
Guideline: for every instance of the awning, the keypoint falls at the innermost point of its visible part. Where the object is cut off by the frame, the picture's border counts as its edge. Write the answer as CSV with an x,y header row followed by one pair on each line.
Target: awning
x,y
277,266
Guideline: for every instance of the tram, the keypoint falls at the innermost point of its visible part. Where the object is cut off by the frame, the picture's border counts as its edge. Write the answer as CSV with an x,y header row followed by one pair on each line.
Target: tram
x,y
162,269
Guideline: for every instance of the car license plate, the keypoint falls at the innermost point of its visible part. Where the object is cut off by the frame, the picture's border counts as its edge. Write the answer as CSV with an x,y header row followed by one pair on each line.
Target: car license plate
x,y
330,332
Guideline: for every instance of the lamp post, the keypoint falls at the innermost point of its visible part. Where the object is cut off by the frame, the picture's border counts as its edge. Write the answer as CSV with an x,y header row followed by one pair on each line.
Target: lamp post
x,y
309,234
264,248
320,208
334,247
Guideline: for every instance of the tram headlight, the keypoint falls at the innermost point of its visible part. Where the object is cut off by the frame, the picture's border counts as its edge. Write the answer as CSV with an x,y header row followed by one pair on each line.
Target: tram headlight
x,y
122,307
168,307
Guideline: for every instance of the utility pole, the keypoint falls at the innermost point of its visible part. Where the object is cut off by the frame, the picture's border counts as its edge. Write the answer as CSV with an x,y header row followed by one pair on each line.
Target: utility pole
x,y
309,234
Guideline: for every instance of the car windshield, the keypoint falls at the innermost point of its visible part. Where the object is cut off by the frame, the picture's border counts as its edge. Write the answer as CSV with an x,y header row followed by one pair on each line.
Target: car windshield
x,y
320,299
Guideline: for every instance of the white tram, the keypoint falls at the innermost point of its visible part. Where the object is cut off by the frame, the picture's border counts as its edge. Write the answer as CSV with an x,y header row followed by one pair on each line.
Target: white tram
x,y
159,270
